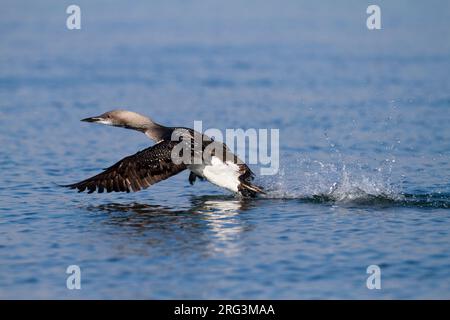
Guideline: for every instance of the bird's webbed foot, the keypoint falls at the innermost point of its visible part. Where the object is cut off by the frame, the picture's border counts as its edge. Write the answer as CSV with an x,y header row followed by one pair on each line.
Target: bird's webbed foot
x,y
193,177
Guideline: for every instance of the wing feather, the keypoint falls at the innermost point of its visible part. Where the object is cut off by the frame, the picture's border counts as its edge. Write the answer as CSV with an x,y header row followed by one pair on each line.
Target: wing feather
x,y
135,172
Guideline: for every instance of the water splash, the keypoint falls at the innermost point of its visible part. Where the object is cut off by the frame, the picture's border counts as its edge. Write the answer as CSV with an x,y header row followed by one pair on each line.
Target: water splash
x,y
341,183
347,183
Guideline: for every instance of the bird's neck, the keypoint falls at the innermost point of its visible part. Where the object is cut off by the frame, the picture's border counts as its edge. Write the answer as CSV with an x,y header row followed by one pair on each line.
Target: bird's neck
x,y
151,129
155,131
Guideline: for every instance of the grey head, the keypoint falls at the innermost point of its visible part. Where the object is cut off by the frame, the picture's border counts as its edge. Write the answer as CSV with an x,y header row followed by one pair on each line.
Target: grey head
x,y
131,120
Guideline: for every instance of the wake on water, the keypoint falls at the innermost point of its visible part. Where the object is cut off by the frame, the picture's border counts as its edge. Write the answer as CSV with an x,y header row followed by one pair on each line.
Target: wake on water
x,y
314,181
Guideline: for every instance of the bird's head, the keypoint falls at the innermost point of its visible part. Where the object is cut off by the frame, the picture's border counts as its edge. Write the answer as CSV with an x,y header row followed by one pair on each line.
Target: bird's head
x,y
122,118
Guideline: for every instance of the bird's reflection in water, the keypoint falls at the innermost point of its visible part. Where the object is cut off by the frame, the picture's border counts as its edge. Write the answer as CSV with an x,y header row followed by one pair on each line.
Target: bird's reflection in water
x,y
208,223
224,223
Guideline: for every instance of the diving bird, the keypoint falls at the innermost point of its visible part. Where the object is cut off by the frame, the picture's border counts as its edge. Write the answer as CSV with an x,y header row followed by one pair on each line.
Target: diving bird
x,y
176,149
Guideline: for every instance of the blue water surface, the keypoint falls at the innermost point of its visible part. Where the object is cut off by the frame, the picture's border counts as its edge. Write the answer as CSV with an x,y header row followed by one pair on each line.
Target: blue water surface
x,y
364,149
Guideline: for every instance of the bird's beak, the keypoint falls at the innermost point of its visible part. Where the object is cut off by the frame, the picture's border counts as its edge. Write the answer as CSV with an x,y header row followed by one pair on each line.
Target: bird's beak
x,y
92,119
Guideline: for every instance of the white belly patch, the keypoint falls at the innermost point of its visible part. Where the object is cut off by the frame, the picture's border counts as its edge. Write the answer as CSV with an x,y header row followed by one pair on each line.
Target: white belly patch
x,y
222,174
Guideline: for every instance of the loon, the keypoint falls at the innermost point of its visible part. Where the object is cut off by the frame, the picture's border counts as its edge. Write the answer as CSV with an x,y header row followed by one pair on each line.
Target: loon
x,y
206,159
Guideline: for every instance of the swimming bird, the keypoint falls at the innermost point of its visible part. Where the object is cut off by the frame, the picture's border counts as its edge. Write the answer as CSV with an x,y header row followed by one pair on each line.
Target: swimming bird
x,y
176,149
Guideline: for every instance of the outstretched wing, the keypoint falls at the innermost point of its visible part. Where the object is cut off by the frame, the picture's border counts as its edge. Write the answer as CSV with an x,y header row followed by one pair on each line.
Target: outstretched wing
x,y
134,172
